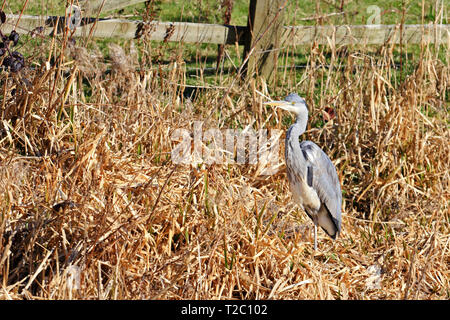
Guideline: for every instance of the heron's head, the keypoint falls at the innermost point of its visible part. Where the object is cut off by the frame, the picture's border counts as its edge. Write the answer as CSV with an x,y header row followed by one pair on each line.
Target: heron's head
x,y
292,103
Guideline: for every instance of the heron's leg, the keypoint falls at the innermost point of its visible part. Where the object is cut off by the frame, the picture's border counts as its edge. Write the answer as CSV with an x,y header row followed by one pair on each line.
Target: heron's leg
x,y
315,218
315,237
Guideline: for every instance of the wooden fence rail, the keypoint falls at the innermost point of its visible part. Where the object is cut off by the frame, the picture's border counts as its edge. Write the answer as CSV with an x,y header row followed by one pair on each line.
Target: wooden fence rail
x,y
128,29
225,34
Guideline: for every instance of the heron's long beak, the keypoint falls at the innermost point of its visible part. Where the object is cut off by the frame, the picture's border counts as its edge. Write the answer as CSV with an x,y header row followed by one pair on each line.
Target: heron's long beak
x,y
283,105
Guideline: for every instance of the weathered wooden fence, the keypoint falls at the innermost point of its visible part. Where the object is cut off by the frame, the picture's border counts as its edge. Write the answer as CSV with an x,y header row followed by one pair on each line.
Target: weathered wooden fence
x,y
264,34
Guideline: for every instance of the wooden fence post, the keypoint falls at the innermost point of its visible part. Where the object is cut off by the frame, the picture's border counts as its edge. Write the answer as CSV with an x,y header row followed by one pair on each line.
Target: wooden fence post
x,y
265,29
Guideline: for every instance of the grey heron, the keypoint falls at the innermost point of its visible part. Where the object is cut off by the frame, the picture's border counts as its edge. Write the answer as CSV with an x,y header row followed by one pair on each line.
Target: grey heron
x,y
313,179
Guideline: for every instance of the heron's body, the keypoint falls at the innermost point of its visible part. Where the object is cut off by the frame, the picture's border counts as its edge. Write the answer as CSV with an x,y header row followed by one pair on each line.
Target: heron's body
x,y
312,176
316,190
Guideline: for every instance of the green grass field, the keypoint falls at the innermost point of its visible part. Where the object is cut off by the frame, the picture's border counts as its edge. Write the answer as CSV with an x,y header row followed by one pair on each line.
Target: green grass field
x,y
204,56
208,11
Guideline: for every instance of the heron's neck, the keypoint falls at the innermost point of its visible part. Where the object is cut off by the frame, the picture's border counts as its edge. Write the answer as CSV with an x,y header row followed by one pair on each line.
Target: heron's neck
x,y
299,127
292,144
294,132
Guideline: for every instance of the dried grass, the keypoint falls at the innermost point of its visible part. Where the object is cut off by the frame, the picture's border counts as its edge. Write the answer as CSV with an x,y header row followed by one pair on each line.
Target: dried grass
x,y
87,184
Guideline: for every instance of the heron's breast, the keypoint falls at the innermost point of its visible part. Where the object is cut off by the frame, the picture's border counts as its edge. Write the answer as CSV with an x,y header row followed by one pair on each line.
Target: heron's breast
x,y
302,193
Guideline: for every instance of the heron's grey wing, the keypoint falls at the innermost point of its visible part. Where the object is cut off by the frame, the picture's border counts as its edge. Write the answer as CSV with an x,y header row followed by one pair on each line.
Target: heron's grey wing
x,y
322,176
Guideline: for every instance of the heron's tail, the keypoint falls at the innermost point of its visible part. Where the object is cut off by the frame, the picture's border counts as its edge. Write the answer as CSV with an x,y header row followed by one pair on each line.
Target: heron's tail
x,y
325,220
